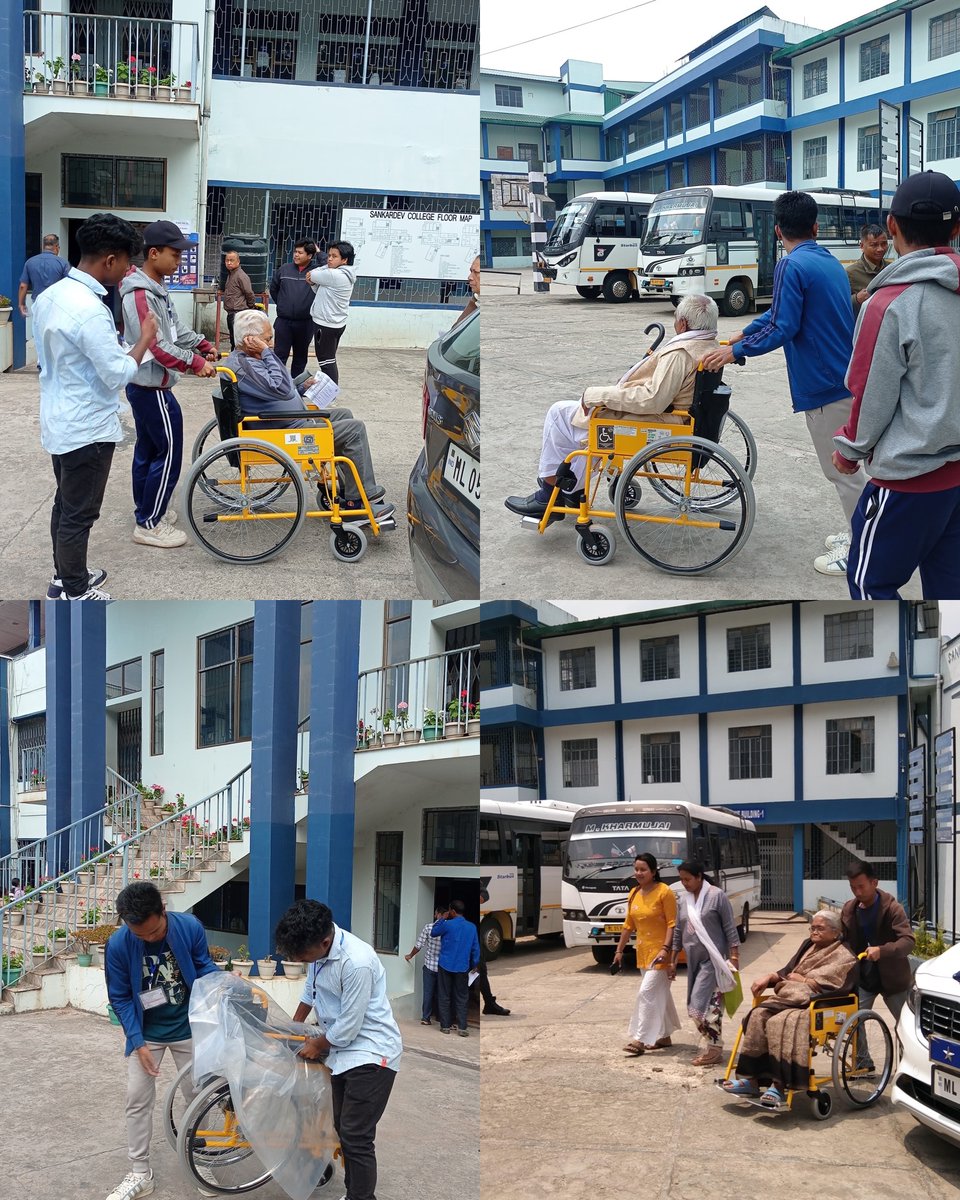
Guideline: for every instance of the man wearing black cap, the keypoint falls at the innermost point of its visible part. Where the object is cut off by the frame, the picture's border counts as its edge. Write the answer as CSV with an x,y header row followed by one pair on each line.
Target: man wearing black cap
x,y
905,420
159,448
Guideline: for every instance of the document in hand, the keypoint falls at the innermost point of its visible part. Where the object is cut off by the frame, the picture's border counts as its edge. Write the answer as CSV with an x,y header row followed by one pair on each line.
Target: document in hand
x,y
322,392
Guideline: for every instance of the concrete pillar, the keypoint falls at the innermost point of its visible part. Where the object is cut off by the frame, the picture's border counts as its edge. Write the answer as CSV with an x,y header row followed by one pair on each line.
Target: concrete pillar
x,y
798,830
335,659
273,836
88,725
13,231
6,784
59,732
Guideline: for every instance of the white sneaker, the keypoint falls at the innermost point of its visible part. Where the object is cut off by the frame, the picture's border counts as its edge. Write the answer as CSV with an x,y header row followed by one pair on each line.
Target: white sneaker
x,y
834,563
170,516
95,576
162,535
836,541
90,594
133,1185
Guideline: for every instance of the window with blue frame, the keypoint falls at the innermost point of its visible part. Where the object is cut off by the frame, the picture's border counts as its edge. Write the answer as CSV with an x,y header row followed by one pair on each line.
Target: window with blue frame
x,y
814,78
944,35
942,140
875,58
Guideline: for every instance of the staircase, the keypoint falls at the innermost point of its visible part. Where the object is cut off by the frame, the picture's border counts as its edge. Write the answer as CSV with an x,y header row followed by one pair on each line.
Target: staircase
x,y
851,848
188,852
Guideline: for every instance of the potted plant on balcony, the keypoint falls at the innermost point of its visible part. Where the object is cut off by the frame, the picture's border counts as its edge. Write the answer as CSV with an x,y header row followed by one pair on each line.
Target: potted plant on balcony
x,y
364,734
303,780
473,719
58,84
78,81
40,83
165,85
145,83
5,309
267,967
456,725
391,736
101,80
432,725
182,92
408,734
126,73
242,964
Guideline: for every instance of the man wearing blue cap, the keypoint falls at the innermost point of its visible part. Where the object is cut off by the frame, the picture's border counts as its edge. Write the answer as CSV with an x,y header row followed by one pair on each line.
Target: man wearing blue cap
x,y
905,421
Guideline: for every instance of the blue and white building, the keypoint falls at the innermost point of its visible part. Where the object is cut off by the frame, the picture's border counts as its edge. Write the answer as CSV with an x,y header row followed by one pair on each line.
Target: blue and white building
x,y
255,117
800,715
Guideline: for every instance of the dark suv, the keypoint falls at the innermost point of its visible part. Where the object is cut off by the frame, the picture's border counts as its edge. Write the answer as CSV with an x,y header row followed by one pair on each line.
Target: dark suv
x,y
443,496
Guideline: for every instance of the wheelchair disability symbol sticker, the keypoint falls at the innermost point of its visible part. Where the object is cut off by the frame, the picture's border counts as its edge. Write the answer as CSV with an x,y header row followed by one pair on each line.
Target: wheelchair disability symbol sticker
x,y
604,437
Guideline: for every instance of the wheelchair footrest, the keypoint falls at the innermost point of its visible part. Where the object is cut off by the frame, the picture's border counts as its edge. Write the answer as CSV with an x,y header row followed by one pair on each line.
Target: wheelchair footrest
x,y
531,523
386,524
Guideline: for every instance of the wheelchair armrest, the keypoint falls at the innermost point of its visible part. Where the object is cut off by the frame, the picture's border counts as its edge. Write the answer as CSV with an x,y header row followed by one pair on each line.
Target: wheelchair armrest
x,y
287,412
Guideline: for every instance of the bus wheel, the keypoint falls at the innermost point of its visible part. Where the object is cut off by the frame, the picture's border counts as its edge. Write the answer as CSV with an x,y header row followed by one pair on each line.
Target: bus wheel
x,y
491,937
736,299
604,954
743,929
616,287
589,293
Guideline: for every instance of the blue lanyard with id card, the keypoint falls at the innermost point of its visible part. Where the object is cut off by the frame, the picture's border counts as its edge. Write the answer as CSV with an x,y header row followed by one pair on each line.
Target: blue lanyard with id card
x,y
155,994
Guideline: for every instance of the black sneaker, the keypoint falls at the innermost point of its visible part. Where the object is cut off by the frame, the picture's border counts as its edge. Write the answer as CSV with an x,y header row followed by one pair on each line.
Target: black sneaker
x,y
496,1010
353,513
55,587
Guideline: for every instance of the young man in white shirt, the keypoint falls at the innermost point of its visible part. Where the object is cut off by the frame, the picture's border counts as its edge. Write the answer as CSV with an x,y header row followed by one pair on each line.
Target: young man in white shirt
x,y
83,369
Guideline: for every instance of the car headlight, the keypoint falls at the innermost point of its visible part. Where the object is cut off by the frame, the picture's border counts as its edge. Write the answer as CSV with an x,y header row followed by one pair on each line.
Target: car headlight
x,y
913,998
574,914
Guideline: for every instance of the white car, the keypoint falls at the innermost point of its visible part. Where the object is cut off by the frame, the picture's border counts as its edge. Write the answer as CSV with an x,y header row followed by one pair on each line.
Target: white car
x,y
927,1082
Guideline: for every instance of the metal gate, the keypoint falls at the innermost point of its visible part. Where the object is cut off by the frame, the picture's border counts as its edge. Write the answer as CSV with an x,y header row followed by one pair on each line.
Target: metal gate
x,y
129,740
776,873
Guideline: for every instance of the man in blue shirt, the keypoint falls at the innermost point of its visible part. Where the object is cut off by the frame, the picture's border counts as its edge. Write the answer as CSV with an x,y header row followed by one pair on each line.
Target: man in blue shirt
x,y
347,989
151,963
459,955
83,370
41,270
811,317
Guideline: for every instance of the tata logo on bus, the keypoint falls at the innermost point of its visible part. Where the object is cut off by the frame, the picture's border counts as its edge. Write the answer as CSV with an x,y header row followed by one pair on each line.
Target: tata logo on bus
x,y
601,252
630,827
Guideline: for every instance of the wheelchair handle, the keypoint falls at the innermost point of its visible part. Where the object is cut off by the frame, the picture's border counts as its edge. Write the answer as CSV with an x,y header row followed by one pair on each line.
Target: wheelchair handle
x,y
739,359
228,372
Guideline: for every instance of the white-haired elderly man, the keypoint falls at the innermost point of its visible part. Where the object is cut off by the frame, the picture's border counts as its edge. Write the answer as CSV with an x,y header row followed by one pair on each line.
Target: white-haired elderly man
x,y
662,382
267,389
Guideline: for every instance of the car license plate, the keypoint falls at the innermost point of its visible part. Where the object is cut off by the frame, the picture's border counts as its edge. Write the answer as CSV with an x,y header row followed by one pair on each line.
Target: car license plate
x,y
946,1086
463,473
657,282
613,929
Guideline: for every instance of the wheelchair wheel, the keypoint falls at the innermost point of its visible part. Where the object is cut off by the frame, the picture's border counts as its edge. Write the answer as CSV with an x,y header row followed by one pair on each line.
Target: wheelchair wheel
x,y
598,547
348,543
180,1095
211,1147
737,440
206,440
672,527
863,1058
248,515
631,498
821,1105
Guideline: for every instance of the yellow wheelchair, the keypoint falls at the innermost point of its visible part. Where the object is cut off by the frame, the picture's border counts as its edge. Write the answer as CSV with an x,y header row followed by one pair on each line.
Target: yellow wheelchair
x,y
680,490
850,1047
245,496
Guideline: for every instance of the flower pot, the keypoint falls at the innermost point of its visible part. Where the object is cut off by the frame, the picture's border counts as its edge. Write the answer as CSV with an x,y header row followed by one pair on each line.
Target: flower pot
x,y
11,975
164,92
5,315
432,733
101,88
182,95
84,960
266,967
241,966
473,727
292,969
30,907
59,87
15,918
411,737
454,729
114,1019
143,91
68,887
391,739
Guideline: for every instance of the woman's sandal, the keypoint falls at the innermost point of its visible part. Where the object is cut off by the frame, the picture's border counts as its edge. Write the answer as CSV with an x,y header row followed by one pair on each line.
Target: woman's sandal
x,y
772,1098
707,1058
634,1048
742,1087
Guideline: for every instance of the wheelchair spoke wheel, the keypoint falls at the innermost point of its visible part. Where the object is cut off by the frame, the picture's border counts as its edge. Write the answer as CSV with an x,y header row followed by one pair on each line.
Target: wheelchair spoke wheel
x,y
863,1058
348,543
244,500
180,1095
671,524
738,442
212,1148
598,547
220,488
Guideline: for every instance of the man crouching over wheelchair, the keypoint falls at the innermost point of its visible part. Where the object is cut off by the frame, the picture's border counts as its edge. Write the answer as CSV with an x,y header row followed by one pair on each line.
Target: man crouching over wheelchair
x,y
267,389
662,382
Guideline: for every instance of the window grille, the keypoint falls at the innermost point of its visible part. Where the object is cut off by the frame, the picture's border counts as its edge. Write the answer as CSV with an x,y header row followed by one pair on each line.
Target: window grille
x,y
944,34
850,746
815,158
848,635
814,78
660,658
660,757
507,96
875,58
942,139
748,649
580,763
751,753
868,148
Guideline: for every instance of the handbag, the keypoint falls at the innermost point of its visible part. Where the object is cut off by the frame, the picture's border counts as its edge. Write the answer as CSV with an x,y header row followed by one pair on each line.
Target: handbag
x,y
734,998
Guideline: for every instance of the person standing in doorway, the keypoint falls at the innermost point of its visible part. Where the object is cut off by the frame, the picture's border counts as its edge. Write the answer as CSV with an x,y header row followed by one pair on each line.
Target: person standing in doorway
x,y
459,955
334,286
40,271
430,946
293,296
237,291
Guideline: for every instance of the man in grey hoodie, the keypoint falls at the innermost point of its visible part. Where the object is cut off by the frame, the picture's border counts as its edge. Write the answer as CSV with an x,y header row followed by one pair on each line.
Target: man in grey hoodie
x,y
905,421
334,287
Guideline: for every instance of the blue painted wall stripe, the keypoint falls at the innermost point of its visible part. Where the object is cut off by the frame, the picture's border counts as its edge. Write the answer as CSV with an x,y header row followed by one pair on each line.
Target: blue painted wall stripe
x,y
58,724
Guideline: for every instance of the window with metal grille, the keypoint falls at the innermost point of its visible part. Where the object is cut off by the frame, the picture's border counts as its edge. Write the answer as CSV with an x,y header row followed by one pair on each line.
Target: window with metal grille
x,y
944,34
814,78
578,668
156,702
868,148
848,635
942,134
675,118
100,181
386,893
32,751
751,752
653,179
508,758
529,151
698,106
580,763
742,162
875,57
740,89
748,648
225,686
660,658
507,96
850,742
660,757
450,835
504,247
124,678
699,169
815,157
675,175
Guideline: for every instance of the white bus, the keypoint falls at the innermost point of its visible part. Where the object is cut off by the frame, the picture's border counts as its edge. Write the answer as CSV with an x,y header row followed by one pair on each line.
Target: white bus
x,y
605,839
720,240
595,243
522,844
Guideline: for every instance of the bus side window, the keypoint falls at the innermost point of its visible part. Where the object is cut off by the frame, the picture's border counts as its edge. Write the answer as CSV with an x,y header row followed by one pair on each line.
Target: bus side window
x,y
610,220
828,219
727,838
635,220
726,218
551,848
489,841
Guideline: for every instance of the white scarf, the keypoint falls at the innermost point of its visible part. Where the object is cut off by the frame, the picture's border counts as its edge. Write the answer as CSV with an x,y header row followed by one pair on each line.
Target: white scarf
x,y
725,980
692,335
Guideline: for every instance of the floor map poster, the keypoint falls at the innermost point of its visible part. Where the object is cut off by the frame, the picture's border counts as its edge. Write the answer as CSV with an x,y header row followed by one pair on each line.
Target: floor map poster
x,y
187,275
392,243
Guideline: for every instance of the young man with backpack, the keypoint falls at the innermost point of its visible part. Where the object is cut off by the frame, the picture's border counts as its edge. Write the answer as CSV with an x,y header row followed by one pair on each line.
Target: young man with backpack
x,y
905,422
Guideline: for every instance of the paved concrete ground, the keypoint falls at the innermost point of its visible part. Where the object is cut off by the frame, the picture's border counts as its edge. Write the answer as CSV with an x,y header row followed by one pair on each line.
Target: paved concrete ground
x,y
63,1124
382,387
542,348
566,1113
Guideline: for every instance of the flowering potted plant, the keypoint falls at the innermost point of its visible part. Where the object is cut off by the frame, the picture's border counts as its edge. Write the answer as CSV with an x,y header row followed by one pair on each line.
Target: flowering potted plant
x,y
145,81
58,84
126,72
432,725
101,80
457,716
303,779
77,81
364,734
86,866
181,93
408,734
391,737
38,780
473,719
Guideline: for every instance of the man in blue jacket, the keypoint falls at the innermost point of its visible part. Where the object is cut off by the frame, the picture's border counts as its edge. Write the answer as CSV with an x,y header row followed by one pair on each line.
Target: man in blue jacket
x,y
459,955
151,963
811,317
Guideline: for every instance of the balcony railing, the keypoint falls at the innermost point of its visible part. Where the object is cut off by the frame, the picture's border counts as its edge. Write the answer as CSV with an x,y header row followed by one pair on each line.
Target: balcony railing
x,y
123,57
424,699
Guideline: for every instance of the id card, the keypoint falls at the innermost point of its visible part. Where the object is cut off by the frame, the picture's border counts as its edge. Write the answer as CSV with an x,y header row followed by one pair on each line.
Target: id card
x,y
153,997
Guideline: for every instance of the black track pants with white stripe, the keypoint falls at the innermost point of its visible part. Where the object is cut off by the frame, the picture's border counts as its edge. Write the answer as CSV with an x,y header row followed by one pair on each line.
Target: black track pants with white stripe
x,y
158,452
325,344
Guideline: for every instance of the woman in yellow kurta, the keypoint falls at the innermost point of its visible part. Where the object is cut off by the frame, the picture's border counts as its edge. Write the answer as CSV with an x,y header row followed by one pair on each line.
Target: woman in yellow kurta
x,y
651,914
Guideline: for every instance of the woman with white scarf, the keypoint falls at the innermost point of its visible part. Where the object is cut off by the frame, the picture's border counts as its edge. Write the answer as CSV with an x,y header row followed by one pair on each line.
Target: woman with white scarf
x,y
705,924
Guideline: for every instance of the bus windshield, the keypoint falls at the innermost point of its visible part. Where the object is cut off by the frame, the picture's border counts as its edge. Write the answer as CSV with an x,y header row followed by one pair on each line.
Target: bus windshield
x,y
569,225
676,220
603,848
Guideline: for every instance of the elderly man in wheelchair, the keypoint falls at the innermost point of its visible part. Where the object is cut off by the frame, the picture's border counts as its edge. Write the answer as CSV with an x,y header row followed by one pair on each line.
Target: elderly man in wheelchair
x,y
813,1009
267,390
661,383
